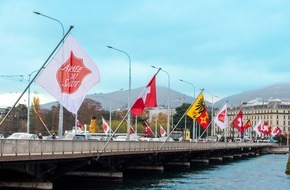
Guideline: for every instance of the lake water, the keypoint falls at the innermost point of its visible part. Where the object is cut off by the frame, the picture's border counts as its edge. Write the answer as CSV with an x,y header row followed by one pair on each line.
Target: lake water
x,y
254,173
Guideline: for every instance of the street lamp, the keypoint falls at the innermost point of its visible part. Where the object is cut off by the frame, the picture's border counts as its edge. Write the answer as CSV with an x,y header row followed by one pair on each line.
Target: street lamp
x,y
111,105
28,102
60,123
193,122
38,13
129,95
189,84
168,99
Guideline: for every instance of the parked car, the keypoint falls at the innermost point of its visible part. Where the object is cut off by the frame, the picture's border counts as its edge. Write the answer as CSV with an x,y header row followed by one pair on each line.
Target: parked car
x,y
20,135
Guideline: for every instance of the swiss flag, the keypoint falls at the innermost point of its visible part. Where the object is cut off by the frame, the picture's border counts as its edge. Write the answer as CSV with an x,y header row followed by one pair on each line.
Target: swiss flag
x,y
148,130
69,75
238,121
162,131
265,128
276,131
146,99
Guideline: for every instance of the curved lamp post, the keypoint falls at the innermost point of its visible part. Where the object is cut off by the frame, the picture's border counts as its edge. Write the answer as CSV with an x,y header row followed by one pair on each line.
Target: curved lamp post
x,y
212,125
193,121
28,102
129,95
168,99
60,124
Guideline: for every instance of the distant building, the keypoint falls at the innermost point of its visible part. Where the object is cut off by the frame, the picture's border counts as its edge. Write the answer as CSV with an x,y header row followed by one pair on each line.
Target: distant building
x,y
273,111
3,112
153,112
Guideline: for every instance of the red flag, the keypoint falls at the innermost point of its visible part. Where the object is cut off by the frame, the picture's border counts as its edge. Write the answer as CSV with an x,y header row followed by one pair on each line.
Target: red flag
x,y
106,126
246,125
148,130
238,121
276,131
146,99
265,128
162,131
79,124
131,130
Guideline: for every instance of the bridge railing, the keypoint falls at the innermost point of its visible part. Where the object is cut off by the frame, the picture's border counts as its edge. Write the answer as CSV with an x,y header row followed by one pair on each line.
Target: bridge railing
x,y
50,147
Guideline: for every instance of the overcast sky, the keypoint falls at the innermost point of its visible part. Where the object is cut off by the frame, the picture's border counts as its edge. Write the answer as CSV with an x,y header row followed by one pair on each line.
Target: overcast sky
x,y
223,46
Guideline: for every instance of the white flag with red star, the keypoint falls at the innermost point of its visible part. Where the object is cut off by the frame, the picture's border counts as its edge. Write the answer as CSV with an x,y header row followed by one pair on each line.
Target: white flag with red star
x,y
69,75
221,118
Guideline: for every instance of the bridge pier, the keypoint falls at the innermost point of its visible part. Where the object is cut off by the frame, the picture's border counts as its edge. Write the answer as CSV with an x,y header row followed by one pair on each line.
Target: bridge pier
x,y
201,160
228,157
252,154
97,174
215,159
237,155
245,154
27,185
153,168
182,164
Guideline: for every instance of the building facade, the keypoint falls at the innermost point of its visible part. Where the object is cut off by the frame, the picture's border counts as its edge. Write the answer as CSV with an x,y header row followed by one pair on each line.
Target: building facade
x,y
273,111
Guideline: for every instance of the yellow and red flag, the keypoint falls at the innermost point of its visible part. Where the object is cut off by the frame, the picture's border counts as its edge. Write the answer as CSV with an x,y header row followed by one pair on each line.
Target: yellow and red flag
x,y
246,126
197,111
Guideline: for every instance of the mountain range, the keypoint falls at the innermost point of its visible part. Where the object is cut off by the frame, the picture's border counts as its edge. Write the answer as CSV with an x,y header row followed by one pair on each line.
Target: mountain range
x,y
119,99
277,91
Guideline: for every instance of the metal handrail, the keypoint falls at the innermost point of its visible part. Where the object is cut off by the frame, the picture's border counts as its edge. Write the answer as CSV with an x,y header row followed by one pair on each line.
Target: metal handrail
x,y
67,147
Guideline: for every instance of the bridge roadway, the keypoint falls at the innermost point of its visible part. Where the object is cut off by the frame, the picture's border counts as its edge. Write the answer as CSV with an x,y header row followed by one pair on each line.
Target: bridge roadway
x,y
41,163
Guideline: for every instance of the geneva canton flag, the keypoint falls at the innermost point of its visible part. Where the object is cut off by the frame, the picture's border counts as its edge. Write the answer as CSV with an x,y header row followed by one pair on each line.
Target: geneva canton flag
x,y
69,75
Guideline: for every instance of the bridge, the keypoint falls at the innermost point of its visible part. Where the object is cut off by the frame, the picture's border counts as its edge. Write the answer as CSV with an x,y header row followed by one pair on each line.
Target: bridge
x,y
39,163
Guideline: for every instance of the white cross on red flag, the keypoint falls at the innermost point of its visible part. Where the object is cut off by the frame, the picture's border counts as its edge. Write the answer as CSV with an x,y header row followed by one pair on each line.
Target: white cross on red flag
x,y
238,121
146,99
69,75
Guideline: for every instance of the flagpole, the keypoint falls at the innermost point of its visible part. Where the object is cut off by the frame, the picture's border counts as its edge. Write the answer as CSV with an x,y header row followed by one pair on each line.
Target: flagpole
x,y
41,120
41,68
60,120
156,117
212,104
111,135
